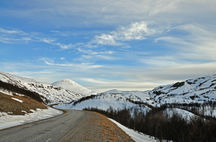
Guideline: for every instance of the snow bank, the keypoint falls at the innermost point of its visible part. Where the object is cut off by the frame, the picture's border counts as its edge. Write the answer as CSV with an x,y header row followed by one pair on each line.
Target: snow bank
x,y
7,121
136,136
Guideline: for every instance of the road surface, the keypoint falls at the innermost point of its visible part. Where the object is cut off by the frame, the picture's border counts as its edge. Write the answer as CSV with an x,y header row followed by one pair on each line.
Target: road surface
x,y
73,126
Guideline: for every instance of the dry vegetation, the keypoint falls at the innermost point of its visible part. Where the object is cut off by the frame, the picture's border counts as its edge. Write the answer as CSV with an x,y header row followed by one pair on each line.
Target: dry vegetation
x,y
110,130
7,104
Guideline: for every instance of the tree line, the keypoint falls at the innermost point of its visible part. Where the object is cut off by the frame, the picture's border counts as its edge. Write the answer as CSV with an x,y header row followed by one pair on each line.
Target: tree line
x,y
156,123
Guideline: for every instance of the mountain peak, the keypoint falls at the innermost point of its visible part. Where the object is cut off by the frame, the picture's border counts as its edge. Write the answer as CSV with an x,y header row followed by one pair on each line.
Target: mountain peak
x,y
73,86
68,81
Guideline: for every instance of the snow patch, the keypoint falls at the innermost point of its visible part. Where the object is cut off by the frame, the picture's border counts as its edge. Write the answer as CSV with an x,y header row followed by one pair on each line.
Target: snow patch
x,y
186,115
18,100
7,121
6,92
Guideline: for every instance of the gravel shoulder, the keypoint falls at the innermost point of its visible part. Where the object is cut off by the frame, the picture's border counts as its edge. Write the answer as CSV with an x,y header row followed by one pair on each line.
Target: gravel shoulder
x,y
73,126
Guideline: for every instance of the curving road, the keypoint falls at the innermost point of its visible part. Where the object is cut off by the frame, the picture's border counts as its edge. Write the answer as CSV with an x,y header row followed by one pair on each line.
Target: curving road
x,y
73,126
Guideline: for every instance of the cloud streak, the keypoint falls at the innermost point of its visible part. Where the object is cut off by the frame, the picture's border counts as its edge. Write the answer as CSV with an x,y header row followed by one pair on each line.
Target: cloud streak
x,y
83,66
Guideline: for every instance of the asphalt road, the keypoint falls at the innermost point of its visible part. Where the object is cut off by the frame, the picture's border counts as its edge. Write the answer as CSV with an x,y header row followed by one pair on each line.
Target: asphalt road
x,y
73,126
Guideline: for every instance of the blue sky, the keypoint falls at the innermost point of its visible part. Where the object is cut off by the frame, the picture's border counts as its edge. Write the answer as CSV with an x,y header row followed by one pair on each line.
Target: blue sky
x,y
124,44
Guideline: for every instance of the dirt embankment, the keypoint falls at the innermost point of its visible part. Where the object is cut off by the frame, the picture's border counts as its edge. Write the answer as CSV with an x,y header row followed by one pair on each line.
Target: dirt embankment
x,y
18,105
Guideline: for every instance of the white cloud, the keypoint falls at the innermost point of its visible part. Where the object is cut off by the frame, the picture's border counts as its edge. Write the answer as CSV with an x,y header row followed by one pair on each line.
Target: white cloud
x,y
55,43
9,36
9,31
49,41
106,39
170,39
64,46
135,31
83,66
88,54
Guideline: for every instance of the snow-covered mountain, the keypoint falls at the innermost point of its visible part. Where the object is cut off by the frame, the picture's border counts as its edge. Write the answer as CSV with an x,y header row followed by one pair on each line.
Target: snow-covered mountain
x,y
198,90
193,91
49,93
73,87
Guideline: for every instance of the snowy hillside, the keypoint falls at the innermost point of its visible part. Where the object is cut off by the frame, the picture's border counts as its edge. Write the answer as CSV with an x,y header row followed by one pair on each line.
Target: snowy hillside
x,y
199,90
73,87
136,96
50,94
116,99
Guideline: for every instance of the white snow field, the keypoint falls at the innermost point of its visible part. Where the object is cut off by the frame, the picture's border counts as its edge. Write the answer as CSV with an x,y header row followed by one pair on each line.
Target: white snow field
x,y
7,120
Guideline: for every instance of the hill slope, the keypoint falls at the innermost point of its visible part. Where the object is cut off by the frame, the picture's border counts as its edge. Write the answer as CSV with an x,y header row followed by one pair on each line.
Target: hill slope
x,y
116,99
49,94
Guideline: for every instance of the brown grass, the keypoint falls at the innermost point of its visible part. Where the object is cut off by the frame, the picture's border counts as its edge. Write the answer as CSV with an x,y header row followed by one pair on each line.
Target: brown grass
x,y
7,104
111,130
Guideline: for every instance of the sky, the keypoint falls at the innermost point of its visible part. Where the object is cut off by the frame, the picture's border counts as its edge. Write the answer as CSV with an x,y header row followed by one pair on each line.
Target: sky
x,y
108,44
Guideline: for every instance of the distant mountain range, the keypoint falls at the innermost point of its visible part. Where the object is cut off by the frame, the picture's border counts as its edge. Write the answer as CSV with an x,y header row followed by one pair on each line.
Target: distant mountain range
x,y
199,90
69,94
